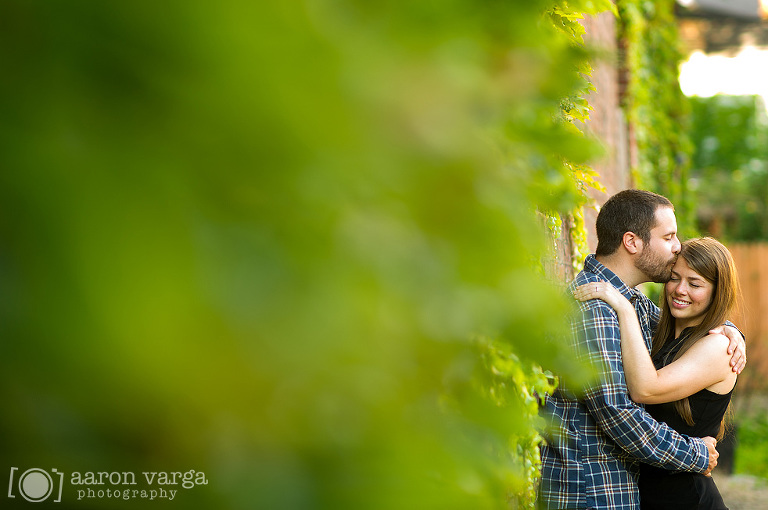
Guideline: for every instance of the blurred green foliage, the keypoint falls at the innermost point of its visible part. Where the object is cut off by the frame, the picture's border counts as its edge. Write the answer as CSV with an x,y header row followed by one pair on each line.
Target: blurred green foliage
x,y
256,239
752,452
730,166
655,105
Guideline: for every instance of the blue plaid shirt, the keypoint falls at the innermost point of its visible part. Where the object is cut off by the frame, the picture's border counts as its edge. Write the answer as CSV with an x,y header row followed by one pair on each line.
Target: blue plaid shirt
x,y
595,440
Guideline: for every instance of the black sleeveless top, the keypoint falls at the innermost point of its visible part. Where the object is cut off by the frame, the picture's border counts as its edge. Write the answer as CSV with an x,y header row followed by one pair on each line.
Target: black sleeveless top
x,y
707,408
662,489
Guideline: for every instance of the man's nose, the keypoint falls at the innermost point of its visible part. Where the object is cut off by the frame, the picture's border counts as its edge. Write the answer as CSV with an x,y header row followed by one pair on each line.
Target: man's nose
x,y
676,248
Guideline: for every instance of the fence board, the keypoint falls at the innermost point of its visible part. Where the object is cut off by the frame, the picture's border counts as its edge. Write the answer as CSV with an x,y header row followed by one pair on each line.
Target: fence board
x,y
752,264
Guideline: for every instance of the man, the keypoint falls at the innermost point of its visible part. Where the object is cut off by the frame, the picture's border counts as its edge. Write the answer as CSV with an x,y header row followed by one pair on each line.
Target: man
x,y
596,439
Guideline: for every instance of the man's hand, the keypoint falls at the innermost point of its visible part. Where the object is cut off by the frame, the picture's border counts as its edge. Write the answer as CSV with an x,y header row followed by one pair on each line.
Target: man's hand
x,y
737,346
711,442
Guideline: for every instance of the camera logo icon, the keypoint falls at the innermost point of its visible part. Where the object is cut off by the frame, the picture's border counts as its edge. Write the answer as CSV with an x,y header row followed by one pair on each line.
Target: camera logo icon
x,y
36,485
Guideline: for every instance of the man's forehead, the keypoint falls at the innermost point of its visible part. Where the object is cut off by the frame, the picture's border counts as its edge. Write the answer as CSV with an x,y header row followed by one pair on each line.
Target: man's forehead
x,y
665,219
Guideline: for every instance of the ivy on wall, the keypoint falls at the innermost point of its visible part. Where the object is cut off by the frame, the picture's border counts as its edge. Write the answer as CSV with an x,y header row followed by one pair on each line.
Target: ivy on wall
x,y
508,379
657,110
574,113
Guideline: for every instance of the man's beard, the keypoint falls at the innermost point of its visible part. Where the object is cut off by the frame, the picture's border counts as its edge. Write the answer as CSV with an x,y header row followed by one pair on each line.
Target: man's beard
x,y
657,269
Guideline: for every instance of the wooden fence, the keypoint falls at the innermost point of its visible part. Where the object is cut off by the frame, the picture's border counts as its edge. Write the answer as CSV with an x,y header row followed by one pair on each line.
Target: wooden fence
x,y
752,264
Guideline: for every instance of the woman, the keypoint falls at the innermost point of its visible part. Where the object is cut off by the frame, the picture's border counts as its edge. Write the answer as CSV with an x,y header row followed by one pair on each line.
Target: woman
x,y
687,380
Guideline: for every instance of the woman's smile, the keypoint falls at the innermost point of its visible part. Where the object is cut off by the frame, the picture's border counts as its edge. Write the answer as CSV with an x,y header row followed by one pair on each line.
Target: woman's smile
x,y
680,303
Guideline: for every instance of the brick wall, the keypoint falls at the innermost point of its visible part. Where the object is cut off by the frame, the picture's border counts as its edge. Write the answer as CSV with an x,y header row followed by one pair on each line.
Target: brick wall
x,y
608,124
607,120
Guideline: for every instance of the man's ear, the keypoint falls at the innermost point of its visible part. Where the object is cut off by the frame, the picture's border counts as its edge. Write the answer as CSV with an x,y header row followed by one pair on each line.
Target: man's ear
x,y
632,242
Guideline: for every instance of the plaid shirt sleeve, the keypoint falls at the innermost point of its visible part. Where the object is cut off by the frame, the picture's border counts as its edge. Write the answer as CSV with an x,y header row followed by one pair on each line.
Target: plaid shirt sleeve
x,y
629,425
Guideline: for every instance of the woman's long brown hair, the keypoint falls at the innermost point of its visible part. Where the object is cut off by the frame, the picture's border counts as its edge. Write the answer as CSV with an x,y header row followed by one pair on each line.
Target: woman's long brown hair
x,y
710,259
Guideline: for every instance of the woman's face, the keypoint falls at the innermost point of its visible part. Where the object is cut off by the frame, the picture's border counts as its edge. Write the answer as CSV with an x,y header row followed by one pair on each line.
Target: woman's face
x,y
688,295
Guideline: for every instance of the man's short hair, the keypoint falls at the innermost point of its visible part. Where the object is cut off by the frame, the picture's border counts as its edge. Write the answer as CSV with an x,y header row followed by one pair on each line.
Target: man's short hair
x,y
631,210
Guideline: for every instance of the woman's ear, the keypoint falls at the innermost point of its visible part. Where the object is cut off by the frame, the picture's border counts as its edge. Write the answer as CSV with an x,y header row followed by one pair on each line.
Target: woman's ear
x,y
632,243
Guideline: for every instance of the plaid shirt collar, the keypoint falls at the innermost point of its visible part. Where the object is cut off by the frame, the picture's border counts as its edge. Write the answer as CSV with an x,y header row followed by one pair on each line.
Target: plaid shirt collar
x,y
593,266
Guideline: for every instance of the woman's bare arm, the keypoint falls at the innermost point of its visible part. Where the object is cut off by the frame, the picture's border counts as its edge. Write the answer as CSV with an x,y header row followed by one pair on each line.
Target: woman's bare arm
x,y
703,365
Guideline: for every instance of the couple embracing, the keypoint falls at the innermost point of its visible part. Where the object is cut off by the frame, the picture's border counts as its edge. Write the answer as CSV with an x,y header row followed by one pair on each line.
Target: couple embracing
x,y
644,434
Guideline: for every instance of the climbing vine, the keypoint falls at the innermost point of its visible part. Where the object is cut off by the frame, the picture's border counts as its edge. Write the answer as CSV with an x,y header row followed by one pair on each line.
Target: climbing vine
x,y
574,113
507,380
657,110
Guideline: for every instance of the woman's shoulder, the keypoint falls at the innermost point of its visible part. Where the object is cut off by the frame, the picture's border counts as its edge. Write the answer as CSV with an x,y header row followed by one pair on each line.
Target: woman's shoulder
x,y
716,338
715,353
714,344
